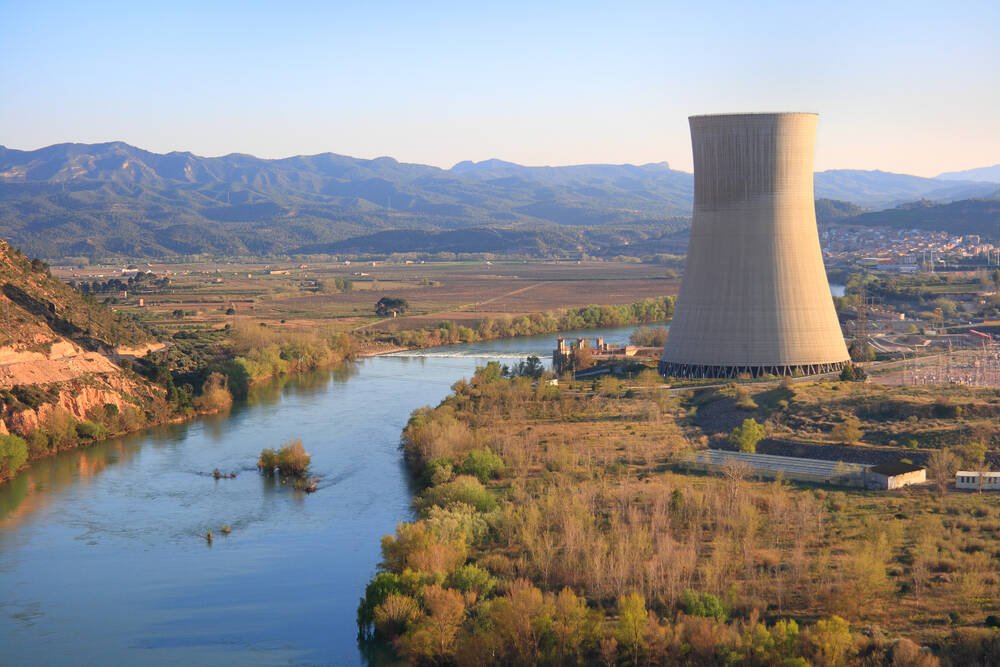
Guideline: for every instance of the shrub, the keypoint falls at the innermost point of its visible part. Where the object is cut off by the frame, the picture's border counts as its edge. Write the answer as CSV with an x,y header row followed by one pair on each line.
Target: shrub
x,y
35,395
215,395
830,641
13,454
853,373
848,430
747,435
438,471
705,605
744,400
291,460
379,588
483,464
89,430
472,579
649,336
456,522
395,615
463,489
38,443
60,426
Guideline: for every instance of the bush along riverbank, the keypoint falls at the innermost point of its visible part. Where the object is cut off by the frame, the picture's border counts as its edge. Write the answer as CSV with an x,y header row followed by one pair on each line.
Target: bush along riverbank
x,y
551,529
201,377
447,332
257,353
203,372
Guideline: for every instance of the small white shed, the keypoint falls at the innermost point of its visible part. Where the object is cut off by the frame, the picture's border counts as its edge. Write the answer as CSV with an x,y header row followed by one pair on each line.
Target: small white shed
x,y
894,475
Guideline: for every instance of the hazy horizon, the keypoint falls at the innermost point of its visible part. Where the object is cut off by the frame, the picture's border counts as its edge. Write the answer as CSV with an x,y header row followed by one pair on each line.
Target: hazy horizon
x,y
900,87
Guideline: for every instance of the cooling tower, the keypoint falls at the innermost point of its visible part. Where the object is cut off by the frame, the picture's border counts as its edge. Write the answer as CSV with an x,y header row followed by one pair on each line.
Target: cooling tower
x,y
754,298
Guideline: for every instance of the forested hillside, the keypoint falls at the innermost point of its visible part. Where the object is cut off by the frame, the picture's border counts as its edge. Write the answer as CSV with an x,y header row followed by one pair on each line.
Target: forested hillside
x,y
96,200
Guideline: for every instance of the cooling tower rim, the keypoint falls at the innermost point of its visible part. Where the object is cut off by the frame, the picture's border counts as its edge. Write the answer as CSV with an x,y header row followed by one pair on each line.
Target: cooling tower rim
x,y
753,114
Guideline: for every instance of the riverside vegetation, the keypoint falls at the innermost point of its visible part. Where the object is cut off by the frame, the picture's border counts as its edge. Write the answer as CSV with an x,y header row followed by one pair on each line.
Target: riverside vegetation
x,y
555,526
202,369
448,332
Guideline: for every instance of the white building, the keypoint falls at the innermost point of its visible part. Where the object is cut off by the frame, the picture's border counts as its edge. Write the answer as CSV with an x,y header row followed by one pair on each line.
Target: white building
x,y
965,479
894,475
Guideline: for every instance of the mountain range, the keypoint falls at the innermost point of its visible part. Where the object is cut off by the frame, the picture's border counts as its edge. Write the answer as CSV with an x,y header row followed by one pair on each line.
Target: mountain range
x,y
989,174
116,199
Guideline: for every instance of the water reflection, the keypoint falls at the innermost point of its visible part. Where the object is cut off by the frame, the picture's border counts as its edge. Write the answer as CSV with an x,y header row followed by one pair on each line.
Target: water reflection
x,y
40,484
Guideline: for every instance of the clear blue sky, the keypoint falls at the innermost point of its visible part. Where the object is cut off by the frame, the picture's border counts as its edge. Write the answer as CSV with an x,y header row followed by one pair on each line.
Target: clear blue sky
x,y
902,86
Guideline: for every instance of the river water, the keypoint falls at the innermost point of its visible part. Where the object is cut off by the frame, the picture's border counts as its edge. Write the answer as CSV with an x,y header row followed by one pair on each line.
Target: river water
x,y
102,554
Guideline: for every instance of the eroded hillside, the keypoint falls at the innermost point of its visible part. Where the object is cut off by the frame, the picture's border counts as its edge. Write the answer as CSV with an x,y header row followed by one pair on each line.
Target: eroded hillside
x,y
59,383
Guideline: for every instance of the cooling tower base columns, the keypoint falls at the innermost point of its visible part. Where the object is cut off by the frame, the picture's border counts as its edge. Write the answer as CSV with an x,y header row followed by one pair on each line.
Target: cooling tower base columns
x,y
693,371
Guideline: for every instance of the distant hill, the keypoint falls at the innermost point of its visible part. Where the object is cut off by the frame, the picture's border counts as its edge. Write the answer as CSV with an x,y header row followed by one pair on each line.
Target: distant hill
x,y
545,241
990,174
831,210
970,216
75,199
92,200
880,189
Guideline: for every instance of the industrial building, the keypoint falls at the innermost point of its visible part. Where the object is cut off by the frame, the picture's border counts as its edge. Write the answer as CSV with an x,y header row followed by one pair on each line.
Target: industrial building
x,y
894,475
885,476
754,299
966,479
789,467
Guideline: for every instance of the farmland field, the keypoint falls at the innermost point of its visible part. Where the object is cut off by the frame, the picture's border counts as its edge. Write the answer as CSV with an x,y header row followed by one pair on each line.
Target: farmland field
x,y
208,295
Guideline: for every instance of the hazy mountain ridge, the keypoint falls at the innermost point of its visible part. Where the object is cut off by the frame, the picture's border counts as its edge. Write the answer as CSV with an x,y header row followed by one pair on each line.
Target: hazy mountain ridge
x,y
113,198
967,216
989,174
882,189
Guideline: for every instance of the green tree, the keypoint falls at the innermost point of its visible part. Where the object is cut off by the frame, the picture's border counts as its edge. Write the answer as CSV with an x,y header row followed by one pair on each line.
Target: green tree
x,y
974,456
388,305
630,629
830,641
523,620
379,588
747,435
434,636
13,454
704,605
853,373
531,367
483,464
569,626
942,465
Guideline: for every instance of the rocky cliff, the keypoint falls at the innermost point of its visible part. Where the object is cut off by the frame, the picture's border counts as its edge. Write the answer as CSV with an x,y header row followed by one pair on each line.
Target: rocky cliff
x,y
59,383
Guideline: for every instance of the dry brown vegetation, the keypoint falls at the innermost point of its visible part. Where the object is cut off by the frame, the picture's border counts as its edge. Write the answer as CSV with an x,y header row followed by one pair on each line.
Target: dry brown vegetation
x,y
657,566
906,421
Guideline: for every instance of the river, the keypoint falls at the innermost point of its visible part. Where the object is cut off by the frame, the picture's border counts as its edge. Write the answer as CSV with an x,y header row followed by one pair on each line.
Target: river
x,y
102,554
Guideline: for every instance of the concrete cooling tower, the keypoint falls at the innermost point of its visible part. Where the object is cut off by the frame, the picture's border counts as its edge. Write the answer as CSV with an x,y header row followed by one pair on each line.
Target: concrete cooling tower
x,y
754,299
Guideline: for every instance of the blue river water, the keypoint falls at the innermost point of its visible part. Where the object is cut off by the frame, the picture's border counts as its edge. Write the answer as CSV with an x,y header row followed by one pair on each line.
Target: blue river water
x,y
102,554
